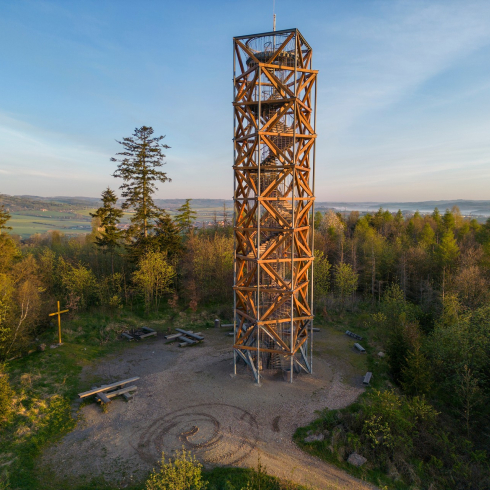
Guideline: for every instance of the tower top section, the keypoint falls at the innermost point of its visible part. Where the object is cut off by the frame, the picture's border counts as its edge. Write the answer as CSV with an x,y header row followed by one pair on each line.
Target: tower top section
x,y
285,48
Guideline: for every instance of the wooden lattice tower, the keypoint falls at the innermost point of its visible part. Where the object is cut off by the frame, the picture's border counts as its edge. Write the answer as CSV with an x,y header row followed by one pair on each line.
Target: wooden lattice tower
x,y
274,141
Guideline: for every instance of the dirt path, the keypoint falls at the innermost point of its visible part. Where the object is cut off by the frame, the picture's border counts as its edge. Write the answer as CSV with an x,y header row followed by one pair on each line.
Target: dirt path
x,y
188,397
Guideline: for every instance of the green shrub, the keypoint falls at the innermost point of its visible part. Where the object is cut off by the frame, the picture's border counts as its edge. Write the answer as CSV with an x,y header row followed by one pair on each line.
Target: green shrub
x,y
183,473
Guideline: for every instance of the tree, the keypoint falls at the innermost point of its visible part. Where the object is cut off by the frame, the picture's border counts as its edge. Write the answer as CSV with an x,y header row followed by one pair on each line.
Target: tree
x,y
79,282
447,252
322,274
185,217
345,281
109,217
4,217
427,237
318,219
153,277
416,374
142,157
470,395
448,221
167,235
212,259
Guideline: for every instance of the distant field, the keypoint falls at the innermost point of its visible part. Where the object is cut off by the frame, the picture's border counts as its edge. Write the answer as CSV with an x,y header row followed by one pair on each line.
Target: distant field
x,y
27,225
31,221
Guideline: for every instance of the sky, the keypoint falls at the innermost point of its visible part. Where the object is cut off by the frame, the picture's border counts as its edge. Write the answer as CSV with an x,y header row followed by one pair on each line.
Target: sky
x,y
403,93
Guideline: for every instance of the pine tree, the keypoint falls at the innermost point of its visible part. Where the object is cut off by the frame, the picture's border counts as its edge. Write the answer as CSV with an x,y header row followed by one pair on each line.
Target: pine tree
x,y
185,217
109,217
139,169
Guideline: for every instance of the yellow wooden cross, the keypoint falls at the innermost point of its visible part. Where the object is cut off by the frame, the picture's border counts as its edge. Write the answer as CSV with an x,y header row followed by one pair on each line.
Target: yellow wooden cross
x,y
59,321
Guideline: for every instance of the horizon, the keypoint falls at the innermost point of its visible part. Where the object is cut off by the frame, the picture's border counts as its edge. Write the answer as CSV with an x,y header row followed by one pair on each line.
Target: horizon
x,y
61,196
402,111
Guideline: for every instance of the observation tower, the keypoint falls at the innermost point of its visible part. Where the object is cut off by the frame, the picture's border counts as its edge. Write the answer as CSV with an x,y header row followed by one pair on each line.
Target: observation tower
x,y
274,166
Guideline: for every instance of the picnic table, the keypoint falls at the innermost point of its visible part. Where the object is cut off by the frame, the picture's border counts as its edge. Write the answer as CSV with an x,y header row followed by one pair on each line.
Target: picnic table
x,y
104,393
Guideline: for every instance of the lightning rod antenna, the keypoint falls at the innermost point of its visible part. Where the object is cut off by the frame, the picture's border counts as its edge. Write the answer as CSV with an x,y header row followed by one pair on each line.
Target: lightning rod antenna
x,y
274,15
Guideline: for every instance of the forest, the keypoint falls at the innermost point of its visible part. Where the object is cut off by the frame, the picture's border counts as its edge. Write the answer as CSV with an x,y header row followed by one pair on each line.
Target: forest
x,y
416,286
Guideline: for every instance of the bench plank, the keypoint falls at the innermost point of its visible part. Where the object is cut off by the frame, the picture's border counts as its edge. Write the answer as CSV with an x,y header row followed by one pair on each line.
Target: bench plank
x,y
185,344
353,335
112,394
94,391
190,334
185,339
359,347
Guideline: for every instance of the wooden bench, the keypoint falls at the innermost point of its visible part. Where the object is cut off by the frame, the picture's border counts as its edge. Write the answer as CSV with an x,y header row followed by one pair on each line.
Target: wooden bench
x,y
194,336
359,347
367,378
353,335
174,336
149,332
104,393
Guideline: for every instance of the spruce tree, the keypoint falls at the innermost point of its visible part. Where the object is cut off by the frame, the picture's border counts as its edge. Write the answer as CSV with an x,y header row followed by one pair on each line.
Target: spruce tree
x,y
109,217
139,168
185,217
167,235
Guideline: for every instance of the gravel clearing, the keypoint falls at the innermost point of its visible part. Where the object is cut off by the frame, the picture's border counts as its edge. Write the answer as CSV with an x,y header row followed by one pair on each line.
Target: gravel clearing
x,y
189,397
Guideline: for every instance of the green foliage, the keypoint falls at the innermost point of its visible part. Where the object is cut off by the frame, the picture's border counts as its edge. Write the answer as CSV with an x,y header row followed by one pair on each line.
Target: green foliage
x,y
447,251
4,217
139,169
185,217
153,277
346,281
427,237
167,236
183,473
416,375
108,217
6,395
79,282
212,263
322,274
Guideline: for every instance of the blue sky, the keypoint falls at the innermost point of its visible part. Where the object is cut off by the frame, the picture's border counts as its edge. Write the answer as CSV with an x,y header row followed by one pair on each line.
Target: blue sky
x,y
403,104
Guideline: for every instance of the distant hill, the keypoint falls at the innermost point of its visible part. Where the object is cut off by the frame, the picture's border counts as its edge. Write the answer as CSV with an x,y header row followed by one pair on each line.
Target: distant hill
x,y
467,207
35,214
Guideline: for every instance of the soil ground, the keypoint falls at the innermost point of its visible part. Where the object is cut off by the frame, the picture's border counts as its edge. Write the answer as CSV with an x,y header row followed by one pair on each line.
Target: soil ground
x,y
189,397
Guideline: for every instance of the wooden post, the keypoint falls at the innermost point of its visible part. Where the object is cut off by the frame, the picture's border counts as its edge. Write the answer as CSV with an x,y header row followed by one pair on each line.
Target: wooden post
x,y
59,312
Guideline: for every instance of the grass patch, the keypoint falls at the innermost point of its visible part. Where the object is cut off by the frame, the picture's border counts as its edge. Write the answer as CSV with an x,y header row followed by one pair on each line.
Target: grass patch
x,y
45,385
